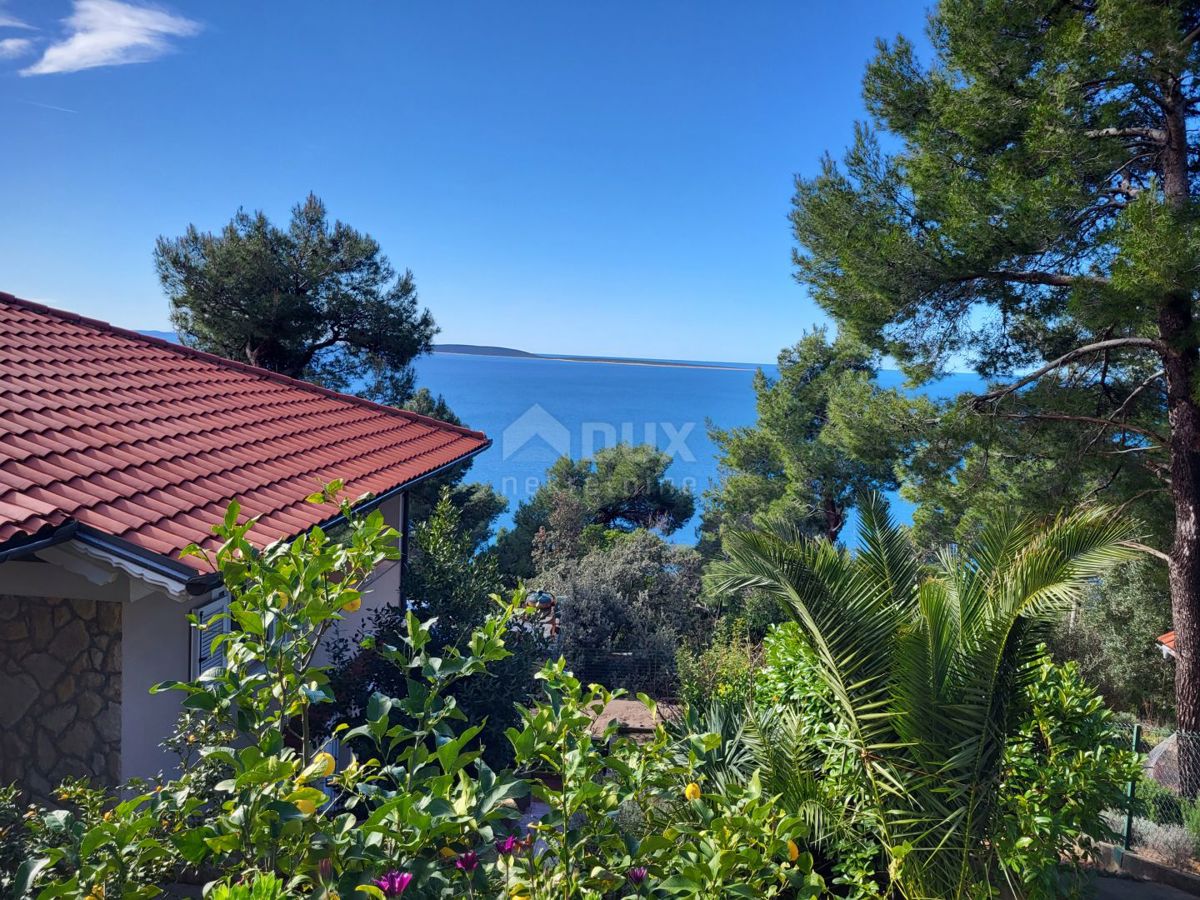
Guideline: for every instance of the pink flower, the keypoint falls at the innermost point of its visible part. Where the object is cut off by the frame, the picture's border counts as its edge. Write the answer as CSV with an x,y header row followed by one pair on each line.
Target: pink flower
x,y
393,883
636,875
508,846
467,862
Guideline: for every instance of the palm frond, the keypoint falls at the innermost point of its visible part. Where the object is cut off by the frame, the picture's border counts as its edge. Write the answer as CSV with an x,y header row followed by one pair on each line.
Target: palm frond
x,y
926,667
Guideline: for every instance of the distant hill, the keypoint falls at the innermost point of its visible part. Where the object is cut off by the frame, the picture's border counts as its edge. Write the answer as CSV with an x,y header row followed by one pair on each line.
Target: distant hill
x,y
482,350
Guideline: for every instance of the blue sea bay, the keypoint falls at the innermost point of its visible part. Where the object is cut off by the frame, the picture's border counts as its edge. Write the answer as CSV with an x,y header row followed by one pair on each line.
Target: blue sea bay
x,y
536,409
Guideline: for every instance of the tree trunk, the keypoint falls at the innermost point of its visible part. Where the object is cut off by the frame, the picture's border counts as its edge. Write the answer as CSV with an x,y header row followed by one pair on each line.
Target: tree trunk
x,y
835,518
1184,416
1181,363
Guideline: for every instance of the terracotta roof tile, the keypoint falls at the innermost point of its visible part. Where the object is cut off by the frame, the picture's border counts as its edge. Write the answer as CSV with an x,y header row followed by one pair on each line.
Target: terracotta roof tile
x,y
149,441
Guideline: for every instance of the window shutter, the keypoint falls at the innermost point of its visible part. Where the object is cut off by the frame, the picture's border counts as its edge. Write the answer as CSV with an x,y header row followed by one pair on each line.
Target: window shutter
x,y
214,614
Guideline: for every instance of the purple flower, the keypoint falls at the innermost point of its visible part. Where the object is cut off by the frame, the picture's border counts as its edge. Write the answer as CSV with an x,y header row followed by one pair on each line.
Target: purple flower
x,y
393,883
467,862
636,875
508,846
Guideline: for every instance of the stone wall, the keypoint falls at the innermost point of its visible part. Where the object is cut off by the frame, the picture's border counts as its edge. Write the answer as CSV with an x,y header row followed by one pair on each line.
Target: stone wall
x,y
60,691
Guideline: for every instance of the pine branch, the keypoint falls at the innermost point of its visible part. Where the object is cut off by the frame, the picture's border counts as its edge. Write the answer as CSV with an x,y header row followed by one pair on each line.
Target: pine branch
x,y
1034,276
1156,135
1065,359
1086,420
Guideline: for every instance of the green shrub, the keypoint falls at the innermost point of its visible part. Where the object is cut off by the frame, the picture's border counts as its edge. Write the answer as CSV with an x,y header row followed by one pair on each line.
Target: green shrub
x,y
263,887
790,676
1112,635
447,581
680,839
1062,769
724,670
929,669
624,610
1191,821
1159,804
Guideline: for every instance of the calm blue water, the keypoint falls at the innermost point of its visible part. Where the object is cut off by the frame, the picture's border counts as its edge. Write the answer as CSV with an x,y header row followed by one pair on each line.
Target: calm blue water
x,y
536,409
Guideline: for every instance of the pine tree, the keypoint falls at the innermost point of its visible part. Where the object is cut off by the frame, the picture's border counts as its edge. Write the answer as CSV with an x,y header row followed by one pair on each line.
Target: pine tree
x,y
1026,202
315,301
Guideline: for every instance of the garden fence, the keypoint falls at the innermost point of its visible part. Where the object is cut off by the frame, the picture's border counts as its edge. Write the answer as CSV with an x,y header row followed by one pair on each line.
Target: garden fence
x,y
1155,817
633,672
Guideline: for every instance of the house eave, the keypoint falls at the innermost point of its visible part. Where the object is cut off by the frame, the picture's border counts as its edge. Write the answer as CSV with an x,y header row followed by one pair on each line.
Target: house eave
x,y
176,577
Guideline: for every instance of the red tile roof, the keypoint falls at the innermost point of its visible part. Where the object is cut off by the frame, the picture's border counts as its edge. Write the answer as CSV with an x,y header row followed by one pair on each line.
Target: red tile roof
x,y
1167,640
148,441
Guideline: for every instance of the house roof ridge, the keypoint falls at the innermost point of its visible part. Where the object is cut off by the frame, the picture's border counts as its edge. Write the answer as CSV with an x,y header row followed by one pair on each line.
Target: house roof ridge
x,y
184,350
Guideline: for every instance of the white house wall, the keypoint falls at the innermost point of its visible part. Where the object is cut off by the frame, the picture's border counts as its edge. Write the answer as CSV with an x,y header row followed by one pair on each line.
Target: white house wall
x,y
381,589
157,648
153,643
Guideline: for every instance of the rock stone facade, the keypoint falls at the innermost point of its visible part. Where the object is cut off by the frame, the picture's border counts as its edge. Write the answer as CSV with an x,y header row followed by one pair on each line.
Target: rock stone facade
x,y
60,692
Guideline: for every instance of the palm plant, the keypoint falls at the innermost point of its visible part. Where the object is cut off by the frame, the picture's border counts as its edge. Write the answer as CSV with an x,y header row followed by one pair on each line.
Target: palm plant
x,y
925,665
773,744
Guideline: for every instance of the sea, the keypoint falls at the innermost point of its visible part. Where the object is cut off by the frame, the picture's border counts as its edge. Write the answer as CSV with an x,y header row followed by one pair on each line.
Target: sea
x,y
536,409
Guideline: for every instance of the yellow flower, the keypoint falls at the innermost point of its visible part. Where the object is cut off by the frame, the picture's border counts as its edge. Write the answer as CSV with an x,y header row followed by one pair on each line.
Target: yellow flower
x,y
305,806
353,605
793,850
692,791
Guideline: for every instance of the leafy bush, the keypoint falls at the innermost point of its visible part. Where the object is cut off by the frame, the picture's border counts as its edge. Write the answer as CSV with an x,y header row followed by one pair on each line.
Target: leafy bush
x,y
1174,844
682,840
1157,803
790,676
724,670
1112,634
1191,821
449,582
924,667
637,596
1061,770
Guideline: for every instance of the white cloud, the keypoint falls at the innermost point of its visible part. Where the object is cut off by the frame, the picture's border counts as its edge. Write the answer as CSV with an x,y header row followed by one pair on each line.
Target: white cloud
x,y
10,48
112,33
7,21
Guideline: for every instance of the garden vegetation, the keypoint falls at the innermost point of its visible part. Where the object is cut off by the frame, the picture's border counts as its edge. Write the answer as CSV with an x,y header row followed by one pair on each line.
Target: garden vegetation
x,y
906,738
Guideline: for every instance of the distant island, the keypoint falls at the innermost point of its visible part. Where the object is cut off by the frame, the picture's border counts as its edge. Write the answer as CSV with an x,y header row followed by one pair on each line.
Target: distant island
x,y
481,350
488,350
485,350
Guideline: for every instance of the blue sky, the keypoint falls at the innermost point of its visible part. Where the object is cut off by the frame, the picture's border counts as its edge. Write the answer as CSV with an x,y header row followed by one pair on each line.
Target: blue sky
x,y
609,178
